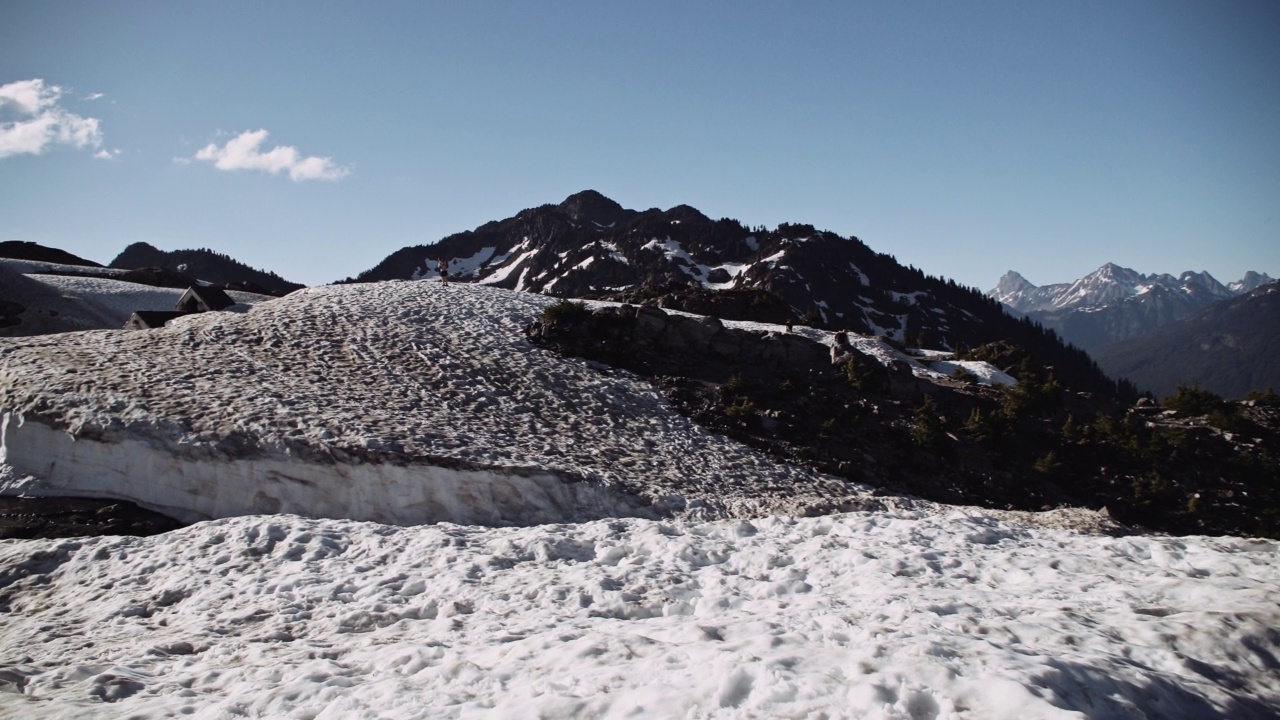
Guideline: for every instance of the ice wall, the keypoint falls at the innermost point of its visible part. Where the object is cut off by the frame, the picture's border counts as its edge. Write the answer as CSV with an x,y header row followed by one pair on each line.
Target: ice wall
x,y
42,460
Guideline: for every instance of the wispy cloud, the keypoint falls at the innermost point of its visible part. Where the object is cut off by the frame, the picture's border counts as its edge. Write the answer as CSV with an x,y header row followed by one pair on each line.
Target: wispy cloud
x,y
95,96
243,152
105,154
31,120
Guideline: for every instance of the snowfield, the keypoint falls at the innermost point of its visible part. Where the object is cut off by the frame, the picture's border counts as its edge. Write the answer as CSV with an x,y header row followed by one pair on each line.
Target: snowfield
x,y
401,402
656,570
95,300
873,615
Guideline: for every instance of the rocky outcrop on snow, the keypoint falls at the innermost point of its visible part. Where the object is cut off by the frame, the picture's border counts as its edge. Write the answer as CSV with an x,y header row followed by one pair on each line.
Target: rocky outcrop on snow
x,y
865,410
642,337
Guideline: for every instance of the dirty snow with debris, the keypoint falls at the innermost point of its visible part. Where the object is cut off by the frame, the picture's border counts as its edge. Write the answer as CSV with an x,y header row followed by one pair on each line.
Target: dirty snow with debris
x,y
337,401
722,603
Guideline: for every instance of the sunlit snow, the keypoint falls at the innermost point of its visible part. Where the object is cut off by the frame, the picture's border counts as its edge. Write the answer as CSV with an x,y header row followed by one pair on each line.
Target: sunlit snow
x,y
902,610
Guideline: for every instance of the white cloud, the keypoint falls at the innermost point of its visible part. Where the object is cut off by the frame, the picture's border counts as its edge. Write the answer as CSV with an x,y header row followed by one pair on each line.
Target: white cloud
x,y
95,96
31,120
105,154
242,153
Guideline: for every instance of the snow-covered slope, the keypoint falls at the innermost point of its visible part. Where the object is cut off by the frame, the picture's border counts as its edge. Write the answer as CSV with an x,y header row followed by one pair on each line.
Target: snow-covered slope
x,y
413,402
398,402
862,615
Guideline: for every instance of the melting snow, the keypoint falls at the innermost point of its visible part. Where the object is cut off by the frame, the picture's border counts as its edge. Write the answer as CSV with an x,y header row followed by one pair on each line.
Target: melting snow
x,y
916,610
949,615
464,267
675,252
775,258
514,261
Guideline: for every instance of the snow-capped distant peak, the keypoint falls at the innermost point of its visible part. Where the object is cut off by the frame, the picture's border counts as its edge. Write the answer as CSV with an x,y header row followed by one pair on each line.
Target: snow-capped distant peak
x,y
1251,281
1111,284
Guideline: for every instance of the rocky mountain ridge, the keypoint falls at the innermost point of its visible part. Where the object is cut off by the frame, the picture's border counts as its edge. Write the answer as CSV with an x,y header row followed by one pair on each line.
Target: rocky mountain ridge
x,y
1115,303
1231,348
589,246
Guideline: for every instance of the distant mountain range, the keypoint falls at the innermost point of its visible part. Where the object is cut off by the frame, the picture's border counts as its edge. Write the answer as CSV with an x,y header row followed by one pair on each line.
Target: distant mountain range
x,y
1230,348
590,246
1115,303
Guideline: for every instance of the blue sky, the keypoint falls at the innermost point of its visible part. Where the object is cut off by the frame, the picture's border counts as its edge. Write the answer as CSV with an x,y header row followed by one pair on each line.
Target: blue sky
x,y
963,138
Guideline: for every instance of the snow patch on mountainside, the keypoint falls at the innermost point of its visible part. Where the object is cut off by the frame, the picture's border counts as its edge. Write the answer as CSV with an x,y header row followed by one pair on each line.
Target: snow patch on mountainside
x,y
37,267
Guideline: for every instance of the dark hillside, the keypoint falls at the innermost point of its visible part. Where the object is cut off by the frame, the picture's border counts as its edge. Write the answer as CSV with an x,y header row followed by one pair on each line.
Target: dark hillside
x,y
1231,348
591,247
1198,465
205,265
23,250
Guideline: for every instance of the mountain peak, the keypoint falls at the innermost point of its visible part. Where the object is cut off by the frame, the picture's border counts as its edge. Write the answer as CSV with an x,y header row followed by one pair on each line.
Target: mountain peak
x,y
1115,302
1249,282
1013,280
592,206
1112,271
686,213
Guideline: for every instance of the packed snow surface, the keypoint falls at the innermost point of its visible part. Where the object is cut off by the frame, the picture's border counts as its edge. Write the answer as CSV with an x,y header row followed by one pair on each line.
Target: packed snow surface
x,y
860,615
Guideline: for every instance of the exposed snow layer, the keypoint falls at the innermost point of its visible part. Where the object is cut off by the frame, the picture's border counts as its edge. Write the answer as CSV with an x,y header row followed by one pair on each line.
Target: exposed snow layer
x,y
361,401
28,267
849,616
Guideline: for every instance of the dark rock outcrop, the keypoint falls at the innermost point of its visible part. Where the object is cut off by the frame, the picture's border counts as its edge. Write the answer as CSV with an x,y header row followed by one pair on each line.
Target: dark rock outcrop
x,y
646,339
158,277
53,517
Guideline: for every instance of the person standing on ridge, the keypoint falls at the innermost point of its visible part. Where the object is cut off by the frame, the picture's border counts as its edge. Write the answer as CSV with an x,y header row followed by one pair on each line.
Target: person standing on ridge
x,y
443,268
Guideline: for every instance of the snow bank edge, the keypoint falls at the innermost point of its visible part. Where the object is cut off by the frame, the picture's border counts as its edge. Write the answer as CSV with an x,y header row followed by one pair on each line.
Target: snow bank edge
x,y
41,460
